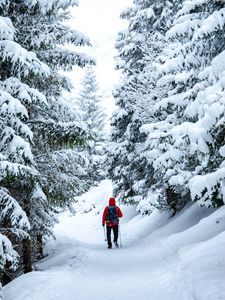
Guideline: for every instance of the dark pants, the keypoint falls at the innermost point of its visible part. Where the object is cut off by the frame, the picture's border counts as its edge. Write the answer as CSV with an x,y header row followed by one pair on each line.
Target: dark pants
x,y
115,233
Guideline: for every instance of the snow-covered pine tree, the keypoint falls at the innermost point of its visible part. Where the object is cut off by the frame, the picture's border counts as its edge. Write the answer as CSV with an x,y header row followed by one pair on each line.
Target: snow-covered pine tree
x,y
184,142
138,47
67,164
147,94
57,134
206,112
89,103
92,115
16,159
122,153
39,28
42,30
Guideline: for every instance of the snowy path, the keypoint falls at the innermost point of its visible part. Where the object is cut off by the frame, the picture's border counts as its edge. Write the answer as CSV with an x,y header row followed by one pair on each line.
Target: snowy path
x,y
86,269
161,259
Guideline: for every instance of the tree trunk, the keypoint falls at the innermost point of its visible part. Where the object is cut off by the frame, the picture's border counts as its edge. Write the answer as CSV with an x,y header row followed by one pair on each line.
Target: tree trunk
x,y
40,246
172,199
1,295
27,258
5,275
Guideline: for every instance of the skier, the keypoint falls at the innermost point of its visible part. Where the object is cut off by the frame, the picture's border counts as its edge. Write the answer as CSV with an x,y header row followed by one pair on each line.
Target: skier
x,y
110,217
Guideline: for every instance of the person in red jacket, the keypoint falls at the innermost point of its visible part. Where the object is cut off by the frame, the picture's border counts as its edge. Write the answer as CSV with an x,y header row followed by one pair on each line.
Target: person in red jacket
x,y
110,217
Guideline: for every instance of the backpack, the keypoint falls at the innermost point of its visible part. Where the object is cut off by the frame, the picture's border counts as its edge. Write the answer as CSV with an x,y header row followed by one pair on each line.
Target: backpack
x,y
112,216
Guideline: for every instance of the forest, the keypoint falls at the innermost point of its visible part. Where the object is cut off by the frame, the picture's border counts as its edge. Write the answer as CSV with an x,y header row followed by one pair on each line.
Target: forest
x,y
166,146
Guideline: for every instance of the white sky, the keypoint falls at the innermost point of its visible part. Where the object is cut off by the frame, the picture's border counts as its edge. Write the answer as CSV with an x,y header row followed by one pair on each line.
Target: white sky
x,y
100,21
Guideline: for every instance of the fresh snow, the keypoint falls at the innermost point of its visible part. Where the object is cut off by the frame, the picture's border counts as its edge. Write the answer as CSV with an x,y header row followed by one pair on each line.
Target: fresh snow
x,y
180,258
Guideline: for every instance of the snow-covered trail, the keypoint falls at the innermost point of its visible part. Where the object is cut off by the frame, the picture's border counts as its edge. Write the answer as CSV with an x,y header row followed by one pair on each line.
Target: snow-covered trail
x,y
162,259
126,274
81,267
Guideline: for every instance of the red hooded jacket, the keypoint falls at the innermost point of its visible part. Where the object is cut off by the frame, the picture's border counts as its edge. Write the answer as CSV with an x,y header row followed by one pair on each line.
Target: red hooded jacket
x,y
112,202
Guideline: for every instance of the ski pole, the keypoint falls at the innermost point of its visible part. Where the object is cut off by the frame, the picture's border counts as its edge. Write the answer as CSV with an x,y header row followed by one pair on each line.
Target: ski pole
x,y
104,233
120,237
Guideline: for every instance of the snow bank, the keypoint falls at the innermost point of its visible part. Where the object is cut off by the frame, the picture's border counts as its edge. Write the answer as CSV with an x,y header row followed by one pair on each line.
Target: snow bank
x,y
204,268
197,236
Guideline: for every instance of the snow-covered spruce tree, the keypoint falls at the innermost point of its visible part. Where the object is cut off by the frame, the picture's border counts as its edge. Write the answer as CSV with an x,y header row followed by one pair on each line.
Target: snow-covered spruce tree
x,y
42,29
138,46
122,154
16,159
57,134
146,93
91,113
184,142
63,160
207,110
39,28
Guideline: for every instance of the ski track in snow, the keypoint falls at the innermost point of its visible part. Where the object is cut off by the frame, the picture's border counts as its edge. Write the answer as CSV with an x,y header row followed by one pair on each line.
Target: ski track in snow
x,y
84,270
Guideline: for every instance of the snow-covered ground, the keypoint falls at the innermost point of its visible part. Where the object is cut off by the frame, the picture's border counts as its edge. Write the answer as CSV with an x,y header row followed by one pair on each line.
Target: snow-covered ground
x,y
182,258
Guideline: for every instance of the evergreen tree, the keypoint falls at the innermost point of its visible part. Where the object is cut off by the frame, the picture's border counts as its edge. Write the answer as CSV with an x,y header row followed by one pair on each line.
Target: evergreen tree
x,y
138,47
185,142
148,93
29,87
93,116
16,158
